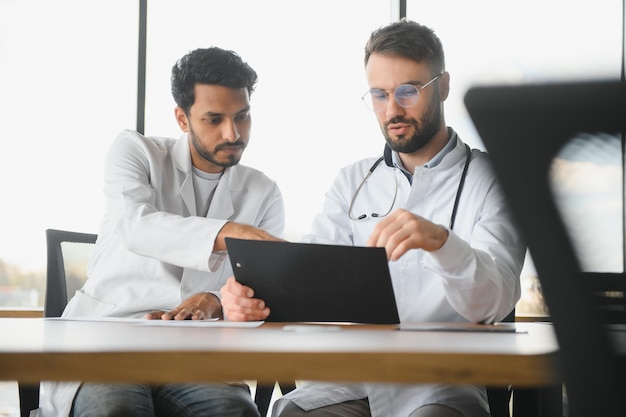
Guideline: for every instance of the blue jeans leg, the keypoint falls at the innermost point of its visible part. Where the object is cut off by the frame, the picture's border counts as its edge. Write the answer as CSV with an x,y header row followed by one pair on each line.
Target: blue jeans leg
x,y
204,400
172,400
113,400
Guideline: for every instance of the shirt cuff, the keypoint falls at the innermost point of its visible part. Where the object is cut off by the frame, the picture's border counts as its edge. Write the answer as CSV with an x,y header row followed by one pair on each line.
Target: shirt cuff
x,y
216,259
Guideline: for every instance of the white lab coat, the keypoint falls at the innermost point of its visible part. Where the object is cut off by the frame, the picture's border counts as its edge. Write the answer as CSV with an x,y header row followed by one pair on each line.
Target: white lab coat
x,y
473,277
152,250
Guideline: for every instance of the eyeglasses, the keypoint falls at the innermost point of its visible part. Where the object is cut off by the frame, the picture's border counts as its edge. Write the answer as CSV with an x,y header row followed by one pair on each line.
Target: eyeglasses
x,y
406,95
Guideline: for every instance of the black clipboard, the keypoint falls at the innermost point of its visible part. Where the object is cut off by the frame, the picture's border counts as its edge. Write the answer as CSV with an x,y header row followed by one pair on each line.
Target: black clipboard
x,y
306,282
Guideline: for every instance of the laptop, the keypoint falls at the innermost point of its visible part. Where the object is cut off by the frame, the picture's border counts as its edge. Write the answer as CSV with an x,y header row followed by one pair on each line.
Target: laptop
x,y
305,282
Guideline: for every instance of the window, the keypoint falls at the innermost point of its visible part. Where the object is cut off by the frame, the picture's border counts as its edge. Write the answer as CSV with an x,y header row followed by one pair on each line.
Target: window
x,y
586,179
69,86
69,71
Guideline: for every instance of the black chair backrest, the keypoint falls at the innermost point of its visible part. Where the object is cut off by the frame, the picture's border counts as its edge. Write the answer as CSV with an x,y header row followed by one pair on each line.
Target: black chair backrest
x,y
67,259
66,265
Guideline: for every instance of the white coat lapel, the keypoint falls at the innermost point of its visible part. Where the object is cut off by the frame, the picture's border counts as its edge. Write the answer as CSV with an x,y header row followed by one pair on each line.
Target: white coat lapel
x,y
182,161
187,194
222,203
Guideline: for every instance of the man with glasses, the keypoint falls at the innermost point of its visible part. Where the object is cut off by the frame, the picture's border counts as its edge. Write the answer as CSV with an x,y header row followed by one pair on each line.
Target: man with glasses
x,y
435,206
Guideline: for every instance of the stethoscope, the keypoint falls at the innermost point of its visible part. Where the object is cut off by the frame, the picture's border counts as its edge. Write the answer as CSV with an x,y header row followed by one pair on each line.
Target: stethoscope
x,y
388,161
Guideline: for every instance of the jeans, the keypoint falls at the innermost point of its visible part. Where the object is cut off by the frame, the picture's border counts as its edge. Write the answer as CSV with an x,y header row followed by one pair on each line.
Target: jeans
x,y
172,400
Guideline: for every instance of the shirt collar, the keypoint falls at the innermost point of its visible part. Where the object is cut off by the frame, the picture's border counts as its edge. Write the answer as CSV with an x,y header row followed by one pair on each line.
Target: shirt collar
x,y
434,161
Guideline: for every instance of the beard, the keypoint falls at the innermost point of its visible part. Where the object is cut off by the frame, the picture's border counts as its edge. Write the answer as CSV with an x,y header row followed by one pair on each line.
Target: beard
x,y
423,131
208,155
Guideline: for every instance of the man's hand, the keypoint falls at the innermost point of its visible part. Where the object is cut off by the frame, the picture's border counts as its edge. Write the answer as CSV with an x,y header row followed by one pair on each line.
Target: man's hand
x,y
199,306
402,231
239,304
240,231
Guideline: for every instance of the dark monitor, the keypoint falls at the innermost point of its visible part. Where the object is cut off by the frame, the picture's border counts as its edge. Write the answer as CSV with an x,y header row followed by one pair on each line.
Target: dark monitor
x,y
528,131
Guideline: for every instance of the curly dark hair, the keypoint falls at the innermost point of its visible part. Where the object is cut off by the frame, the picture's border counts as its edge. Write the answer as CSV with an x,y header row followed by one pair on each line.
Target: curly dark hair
x,y
209,66
410,40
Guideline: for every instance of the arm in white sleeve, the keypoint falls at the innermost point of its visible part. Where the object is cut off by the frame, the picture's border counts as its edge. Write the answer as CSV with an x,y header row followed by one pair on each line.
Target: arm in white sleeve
x,y
481,276
131,164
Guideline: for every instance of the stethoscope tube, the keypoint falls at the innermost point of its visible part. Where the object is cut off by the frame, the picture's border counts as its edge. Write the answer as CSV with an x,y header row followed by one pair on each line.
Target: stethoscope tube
x,y
389,162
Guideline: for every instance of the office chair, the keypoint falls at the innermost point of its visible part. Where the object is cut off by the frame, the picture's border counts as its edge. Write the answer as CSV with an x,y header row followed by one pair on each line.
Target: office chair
x,y
523,129
67,256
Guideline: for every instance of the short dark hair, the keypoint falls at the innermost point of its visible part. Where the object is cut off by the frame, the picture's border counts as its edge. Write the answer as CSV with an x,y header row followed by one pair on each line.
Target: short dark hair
x,y
209,66
407,39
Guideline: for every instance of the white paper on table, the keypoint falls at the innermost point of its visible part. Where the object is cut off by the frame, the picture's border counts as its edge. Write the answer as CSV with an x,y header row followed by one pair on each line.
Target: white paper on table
x,y
164,323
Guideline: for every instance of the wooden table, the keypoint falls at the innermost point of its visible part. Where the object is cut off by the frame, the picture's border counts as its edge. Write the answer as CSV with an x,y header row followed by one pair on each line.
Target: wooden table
x,y
34,349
